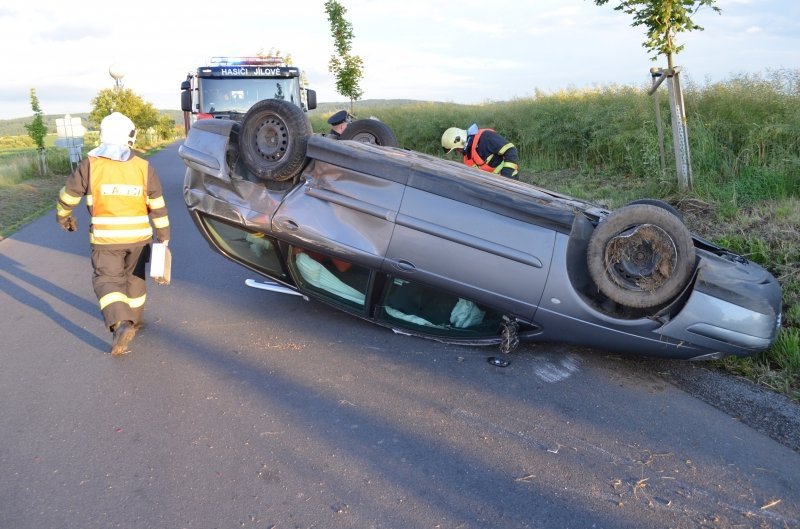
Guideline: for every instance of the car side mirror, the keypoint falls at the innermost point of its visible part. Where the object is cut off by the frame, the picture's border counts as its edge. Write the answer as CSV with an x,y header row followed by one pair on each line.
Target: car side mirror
x,y
186,101
311,99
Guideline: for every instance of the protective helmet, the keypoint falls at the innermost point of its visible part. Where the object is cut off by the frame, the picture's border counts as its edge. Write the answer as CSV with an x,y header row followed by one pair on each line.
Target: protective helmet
x,y
117,129
454,138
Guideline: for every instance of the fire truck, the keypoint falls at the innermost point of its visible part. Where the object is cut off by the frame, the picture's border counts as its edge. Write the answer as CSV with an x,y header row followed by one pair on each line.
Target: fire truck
x,y
229,86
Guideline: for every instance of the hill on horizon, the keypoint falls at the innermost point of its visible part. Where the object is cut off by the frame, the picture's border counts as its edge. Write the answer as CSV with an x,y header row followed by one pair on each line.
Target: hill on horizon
x,y
16,126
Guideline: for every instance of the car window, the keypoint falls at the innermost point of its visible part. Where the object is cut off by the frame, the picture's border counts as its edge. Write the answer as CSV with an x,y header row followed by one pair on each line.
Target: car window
x,y
416,306
246,246
337,280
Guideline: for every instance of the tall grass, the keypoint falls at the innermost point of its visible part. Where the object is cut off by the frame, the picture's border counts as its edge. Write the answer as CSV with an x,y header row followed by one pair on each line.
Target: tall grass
x,y
16,167
744,133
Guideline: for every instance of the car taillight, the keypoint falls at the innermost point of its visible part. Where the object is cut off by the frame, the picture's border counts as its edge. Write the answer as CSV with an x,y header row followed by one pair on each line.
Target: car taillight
x,y
204,116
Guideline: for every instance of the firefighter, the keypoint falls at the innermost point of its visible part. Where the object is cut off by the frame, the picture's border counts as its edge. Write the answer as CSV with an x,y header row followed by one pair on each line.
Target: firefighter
x,y
123,196
339,122
483,148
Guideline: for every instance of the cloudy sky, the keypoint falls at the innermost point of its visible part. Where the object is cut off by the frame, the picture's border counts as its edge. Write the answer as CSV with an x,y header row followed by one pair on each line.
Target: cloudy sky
x,y
440,50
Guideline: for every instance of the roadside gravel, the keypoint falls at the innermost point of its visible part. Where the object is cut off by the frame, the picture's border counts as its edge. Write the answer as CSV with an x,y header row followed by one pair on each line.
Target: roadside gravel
x,y
768,412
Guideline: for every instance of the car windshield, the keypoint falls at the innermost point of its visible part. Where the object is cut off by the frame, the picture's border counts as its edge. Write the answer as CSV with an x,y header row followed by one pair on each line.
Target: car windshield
x,y
238,95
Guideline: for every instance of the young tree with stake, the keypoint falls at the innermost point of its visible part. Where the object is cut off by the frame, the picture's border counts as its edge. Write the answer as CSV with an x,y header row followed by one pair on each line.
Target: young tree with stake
x,y
37,131
347,68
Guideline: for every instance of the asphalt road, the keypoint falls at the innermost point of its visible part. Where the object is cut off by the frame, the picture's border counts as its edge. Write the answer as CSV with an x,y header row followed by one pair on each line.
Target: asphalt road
x,y
244,408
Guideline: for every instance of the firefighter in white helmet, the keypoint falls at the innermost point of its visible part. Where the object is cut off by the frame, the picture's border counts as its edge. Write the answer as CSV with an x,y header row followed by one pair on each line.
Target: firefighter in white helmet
x,y
127,209
484,149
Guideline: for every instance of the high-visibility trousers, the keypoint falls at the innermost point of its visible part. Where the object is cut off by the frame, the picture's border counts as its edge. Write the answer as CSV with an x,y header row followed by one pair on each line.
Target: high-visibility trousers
x,y
119,282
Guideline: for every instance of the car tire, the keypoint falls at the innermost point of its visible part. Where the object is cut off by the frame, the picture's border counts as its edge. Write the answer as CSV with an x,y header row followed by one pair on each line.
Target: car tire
x,y
273,140
370,131
659,203
641,256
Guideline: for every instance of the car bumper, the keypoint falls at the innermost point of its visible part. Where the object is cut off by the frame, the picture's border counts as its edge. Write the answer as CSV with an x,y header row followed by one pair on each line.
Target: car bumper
x,y
734,308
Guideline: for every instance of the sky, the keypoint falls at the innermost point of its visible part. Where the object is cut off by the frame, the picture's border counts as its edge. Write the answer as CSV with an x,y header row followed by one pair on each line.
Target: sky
x,y
433,50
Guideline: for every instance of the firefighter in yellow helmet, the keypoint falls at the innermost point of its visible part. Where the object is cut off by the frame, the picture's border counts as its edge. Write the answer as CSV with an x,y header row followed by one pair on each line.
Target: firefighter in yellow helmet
x,y
483,148
126,205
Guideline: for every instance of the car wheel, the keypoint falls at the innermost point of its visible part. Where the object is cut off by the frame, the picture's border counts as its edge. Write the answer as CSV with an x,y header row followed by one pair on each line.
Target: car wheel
x,y
273,139
641,256
370,131
659,203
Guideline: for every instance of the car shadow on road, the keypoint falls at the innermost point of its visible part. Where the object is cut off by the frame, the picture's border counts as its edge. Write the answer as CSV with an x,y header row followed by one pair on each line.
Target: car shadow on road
x,y
395,456
431,397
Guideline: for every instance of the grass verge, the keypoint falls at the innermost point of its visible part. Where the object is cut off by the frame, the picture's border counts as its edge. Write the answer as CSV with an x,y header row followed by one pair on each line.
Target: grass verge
x,y
28,200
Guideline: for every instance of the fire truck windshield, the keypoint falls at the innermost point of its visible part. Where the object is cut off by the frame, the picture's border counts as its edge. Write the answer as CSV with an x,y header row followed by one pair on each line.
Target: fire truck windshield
x,y
238,95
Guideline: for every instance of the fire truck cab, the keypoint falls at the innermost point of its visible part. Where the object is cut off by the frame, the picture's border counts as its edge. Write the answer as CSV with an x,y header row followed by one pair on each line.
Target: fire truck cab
x,y
229,86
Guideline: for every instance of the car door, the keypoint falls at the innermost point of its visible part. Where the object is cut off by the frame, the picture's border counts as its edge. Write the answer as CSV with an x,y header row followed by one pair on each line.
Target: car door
x,y
461,233
342,208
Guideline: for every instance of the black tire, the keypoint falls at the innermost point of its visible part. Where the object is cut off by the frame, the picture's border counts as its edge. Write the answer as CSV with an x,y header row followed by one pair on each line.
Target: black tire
x,y
659,203
274,139
370,131
641,256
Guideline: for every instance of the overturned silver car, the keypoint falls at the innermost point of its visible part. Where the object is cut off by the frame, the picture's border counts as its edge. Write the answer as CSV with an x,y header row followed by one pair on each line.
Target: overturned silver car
x,y
432,248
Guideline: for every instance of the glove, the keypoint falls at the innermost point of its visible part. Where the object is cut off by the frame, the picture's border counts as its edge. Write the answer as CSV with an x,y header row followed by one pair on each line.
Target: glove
x,y
68,223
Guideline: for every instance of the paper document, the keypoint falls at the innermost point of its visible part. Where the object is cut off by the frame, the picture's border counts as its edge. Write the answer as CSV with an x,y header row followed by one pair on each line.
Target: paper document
x,y
161,263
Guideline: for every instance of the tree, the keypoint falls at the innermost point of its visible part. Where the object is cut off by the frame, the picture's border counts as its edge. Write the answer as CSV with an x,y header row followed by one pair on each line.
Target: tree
x,y
124,100
347,68
664,19
165,128
37,131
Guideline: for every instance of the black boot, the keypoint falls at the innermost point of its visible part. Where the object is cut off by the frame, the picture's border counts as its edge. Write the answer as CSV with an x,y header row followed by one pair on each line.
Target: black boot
x,y
123,334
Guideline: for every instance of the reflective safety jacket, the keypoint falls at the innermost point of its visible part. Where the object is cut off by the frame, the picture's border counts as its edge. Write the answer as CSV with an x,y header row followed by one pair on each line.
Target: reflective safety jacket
x,y
123,199
491,152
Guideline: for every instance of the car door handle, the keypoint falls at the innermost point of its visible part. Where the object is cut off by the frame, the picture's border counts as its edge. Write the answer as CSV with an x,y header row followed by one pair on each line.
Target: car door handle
x,y
289,225
404,265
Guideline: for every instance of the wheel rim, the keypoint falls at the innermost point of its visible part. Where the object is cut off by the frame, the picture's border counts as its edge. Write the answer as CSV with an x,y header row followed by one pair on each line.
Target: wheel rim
x,y
642,258
272,139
